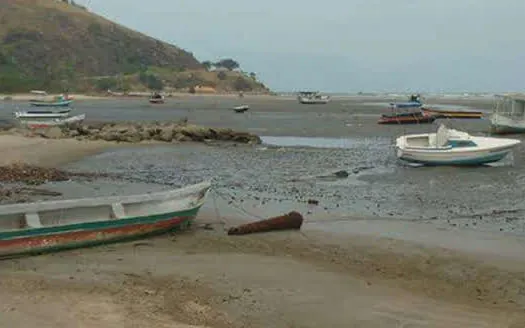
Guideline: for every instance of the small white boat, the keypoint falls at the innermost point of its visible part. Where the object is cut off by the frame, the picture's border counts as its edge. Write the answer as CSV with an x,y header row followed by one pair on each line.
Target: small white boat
x,y
52,122
312,98
35,228
452,147
42,114
156,98
241,108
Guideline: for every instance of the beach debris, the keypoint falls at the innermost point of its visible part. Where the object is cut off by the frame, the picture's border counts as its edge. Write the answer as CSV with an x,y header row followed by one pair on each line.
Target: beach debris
x,y
289,221
23,194
35,175
313,202
30,174
334,175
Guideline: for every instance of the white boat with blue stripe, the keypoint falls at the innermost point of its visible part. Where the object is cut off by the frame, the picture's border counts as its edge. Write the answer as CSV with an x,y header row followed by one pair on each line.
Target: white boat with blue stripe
x,y
452,147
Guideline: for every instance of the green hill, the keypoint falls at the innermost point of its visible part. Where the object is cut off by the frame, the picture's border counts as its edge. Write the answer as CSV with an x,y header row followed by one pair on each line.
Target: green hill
x,y
54,45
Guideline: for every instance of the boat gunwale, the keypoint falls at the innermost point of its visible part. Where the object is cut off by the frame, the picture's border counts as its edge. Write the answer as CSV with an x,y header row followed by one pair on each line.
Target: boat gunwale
x,y
401,144
58,229
102,200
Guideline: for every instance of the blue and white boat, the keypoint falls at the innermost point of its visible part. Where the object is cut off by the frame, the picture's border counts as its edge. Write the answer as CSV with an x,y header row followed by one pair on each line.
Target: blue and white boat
x,y
414,102
452,147
408,104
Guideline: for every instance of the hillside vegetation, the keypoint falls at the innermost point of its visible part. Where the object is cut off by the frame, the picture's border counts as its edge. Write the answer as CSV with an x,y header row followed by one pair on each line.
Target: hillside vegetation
x,y
54,45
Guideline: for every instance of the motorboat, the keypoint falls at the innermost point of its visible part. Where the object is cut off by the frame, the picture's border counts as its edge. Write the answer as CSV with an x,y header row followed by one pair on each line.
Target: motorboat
x,y
241,108
452,147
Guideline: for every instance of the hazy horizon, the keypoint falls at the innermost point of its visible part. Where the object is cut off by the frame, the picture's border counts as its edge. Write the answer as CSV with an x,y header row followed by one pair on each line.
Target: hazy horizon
x,y
345,46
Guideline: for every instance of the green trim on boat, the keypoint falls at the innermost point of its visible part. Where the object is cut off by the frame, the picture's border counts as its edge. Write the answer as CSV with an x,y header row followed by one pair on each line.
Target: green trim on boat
x,y
96,225
97,242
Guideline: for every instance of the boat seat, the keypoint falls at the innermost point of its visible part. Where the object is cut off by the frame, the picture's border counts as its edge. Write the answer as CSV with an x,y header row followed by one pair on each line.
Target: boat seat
x,y
432,140
118,210
33,220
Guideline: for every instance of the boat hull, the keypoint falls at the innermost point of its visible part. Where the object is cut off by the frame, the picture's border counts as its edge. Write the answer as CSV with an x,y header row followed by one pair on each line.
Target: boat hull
x,y
42,114
65,103
456,156
410,104
453,114
458,159
406,119
59,238
240,109
34,124
156,101
313,101
500,124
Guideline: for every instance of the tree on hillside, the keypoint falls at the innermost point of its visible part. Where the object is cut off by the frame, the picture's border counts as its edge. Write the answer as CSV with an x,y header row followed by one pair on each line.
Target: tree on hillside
x,y
253,75
207,64
227,63
241,84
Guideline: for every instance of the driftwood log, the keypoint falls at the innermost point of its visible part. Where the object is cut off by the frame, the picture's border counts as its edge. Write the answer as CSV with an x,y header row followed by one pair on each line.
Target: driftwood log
x,y
290,221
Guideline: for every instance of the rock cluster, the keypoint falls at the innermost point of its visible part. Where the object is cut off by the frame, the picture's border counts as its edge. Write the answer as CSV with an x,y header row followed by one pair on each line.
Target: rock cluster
x,y
137,132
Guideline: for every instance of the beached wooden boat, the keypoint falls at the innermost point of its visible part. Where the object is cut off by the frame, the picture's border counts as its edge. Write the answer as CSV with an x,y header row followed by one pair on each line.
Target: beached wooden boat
x,y
45,123
406,118
443,113
35,228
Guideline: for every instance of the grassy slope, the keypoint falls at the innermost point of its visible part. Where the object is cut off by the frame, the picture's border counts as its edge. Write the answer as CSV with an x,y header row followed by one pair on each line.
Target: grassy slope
x,y
52,45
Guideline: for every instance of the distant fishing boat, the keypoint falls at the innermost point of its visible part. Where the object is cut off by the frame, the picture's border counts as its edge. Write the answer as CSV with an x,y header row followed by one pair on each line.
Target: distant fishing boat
x,y
156,98
414,102
312,98
241,108
46,123
35,228
443,113
508,114
59,101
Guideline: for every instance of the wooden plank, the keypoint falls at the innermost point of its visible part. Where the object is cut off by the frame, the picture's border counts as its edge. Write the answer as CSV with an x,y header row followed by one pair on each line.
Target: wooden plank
x,y
118,210
33,220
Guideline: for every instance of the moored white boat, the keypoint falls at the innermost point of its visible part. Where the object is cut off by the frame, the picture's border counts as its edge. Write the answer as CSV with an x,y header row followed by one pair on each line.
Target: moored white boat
x,y
43,123
241,108
42,114
33,228
452,147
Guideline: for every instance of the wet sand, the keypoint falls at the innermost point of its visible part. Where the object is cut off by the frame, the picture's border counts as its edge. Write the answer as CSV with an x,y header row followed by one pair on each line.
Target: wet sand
x,y
46,152
375,272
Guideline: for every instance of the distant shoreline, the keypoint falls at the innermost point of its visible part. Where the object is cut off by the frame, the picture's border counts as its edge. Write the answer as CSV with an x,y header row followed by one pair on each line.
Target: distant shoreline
x,y
81,96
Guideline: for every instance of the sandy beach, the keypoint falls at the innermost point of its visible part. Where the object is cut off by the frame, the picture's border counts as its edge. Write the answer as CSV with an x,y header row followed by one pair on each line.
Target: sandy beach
x,y
377,272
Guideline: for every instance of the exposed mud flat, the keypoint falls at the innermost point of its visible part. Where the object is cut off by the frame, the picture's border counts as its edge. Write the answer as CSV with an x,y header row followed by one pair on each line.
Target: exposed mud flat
x,y
388,245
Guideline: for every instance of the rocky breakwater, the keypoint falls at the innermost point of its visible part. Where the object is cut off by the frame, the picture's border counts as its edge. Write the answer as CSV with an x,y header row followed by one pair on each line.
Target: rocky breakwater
x,y
137,132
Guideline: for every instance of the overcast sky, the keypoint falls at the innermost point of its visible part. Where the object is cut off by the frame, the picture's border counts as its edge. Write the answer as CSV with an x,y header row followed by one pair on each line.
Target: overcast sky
x,y
346,45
